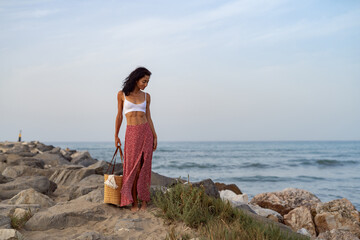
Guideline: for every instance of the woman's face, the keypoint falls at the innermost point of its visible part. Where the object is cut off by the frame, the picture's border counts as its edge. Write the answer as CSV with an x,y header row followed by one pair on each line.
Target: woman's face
x,y
143,82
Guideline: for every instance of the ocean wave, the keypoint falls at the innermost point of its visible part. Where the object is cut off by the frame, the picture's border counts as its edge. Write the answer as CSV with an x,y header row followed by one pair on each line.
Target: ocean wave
x,y
321,162
190,165
255,165
331,162
256,178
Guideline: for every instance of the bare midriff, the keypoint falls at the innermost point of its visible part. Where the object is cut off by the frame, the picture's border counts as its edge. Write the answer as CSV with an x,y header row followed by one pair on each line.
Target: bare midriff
x,y
135,118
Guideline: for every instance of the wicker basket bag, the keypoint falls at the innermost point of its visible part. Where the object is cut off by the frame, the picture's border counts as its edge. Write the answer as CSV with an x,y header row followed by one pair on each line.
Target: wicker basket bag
x,y
112,195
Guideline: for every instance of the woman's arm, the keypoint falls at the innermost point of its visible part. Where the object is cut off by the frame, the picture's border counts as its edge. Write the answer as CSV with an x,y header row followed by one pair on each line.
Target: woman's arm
x,y
119,118
148,117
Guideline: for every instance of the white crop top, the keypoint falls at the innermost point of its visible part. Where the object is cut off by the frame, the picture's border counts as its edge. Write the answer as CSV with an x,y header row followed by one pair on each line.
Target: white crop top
x,y
132,107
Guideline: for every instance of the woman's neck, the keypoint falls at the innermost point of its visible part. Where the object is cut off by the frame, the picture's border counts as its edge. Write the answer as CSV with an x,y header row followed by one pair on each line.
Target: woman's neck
x,y
136,91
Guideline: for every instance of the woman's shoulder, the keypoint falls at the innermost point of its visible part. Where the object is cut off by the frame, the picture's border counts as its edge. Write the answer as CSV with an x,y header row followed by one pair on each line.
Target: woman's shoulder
x,y
120,95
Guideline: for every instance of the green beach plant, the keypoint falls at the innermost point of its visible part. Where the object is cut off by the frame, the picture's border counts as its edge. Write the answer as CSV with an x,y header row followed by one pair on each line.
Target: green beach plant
x,y
17,223
213,218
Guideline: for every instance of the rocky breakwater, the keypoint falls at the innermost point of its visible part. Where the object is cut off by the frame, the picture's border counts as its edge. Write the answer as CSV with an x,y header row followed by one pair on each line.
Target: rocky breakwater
x,y
43,188
303,212
52,193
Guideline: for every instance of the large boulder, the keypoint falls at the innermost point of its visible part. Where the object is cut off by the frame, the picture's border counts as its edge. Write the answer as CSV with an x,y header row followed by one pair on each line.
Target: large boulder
x,y
337,234
66,153
102,167
5,222
234,198
96,196
209,186
28,161
299,218
44,148
3,158
70,175
17,148
160,180
8,209
30,196
231,187
3,165
82,158
22,170
66,214
10,234
39,183
86,185
337,214
267,213
286,200
4,179
52,160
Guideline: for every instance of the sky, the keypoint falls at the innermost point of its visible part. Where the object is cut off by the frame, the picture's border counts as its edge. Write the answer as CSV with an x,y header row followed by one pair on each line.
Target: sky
x,y
248,70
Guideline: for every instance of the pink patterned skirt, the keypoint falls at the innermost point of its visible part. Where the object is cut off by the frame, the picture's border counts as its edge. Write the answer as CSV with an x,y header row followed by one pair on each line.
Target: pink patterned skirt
x,y
138,144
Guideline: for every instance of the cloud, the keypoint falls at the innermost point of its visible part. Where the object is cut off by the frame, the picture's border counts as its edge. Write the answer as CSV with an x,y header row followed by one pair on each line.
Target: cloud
x,y
304,29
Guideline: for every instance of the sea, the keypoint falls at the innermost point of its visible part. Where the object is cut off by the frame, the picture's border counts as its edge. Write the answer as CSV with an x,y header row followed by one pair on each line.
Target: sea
x,y
328,169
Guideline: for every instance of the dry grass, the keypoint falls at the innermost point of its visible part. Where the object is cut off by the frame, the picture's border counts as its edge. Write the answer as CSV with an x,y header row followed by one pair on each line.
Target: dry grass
x,y
212,218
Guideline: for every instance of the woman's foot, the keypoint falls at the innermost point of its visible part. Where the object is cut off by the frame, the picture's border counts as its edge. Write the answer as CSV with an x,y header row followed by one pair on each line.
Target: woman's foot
x,y
143,206
135,207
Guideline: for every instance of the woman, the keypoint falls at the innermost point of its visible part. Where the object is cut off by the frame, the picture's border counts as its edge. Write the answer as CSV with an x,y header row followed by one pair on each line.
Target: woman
x,y
140,138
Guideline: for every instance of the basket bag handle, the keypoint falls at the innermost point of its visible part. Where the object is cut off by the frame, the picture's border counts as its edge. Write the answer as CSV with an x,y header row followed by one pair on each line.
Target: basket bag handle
x,y
118,148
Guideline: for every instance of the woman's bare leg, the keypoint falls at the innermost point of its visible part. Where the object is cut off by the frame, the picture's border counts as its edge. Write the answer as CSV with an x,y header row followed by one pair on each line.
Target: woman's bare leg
x,y
135,205
143,205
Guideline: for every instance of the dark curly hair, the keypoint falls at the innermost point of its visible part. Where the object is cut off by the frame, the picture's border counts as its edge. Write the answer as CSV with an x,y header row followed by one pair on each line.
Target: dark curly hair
x,y
130,82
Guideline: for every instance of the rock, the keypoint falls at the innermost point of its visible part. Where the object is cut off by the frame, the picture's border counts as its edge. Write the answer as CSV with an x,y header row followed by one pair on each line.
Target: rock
x,y
95,236
337,234
3,158
17,171
70,175
82,158
160,180
4,179
245,207
299,218
39,183
10,234
66,214
210,188
3,166
30,196
14,171
234,198
96,196
304,232
285,200
337,214
18,149
28,161
267,213
55,150
8,209
67,153
5,222
44,148
86,185
231,187
102,167
52,159
20,213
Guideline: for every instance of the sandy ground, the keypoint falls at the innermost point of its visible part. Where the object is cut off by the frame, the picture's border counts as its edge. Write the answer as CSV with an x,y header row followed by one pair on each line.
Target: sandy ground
x,y
121,223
